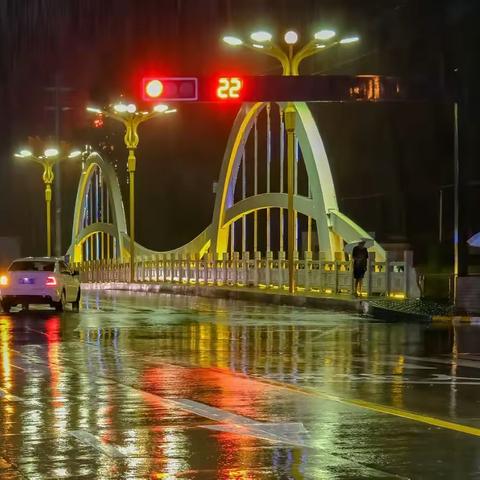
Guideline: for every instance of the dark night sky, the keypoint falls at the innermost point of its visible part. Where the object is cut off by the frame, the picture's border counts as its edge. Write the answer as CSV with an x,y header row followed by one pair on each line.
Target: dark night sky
x,y
397,155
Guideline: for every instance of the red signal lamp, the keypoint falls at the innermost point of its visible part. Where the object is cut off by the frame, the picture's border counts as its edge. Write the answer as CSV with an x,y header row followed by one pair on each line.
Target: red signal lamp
x,y
154,88
170,88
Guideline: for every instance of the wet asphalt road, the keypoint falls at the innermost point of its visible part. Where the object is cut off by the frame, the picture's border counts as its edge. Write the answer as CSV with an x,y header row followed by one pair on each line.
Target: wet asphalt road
x,y
166,387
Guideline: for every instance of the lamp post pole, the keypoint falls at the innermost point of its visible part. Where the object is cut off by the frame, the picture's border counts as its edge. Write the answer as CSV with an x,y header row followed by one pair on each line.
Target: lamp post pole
x,y
290,113
131,142
48,177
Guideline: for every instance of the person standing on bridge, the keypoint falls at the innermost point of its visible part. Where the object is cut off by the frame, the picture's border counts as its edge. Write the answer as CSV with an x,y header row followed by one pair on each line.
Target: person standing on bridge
x,y
360,259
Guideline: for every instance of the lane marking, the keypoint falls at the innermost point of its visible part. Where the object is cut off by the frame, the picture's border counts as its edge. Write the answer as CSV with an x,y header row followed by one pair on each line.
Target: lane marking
x,y
8,396
289,433
88,439
388,363
444,361
379,408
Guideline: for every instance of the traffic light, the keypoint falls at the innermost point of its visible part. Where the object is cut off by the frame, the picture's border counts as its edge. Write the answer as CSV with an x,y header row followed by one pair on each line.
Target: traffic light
x,y
276,88
170,88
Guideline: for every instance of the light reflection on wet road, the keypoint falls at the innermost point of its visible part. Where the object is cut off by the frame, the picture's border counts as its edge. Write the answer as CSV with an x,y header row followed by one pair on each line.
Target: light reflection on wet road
x,y
161,386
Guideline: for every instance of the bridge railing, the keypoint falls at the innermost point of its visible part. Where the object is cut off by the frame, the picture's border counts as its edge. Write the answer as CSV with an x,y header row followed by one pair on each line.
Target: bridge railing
x,y
389,278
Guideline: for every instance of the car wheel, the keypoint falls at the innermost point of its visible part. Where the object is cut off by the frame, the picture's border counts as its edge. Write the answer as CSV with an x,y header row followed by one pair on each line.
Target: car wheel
x,y
76,303
6,306
60,306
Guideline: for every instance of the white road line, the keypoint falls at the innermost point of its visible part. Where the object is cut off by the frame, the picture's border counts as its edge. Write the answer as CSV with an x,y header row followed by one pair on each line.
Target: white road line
x,y
444,361
411,366
88,439
8,396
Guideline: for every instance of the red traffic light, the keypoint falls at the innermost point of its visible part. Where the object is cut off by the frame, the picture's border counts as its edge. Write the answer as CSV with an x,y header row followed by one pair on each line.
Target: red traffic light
x,y
170,88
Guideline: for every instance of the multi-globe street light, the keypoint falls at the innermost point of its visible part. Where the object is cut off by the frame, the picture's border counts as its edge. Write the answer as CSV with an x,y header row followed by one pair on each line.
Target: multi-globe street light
x,y
131,118
262,42
50,157
290,59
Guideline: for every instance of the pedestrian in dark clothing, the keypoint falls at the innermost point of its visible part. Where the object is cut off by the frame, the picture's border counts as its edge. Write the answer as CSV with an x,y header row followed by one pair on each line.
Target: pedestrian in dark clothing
x,y
360,259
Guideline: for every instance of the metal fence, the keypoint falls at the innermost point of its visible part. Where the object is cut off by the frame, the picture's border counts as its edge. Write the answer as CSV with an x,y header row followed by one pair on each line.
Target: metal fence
x,y
389,278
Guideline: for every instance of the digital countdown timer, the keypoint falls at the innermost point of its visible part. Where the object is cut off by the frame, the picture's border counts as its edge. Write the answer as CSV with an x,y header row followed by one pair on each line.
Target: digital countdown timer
x,y
270,88
229,87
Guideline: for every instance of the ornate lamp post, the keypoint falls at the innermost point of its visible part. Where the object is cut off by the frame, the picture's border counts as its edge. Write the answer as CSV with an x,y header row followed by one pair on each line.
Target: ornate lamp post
x,y
290,60
131,118
47,160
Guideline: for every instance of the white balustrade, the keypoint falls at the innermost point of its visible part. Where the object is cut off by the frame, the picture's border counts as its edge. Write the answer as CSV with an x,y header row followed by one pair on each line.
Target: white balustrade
x,y
317,276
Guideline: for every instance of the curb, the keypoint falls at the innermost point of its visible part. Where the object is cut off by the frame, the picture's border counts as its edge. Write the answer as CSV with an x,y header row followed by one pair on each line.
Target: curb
x,y
275,298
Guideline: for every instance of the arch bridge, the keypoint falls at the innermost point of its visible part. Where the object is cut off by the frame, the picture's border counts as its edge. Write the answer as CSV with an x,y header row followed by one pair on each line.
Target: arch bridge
x,y
249,215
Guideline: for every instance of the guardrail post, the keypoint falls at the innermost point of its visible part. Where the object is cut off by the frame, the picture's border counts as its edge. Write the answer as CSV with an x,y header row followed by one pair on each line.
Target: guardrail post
x,y
187,268
236,257
335,266
307,269
214,268
387,273
295,266
408,261
225,260
370,266
245,267
257,259
197,269
269,269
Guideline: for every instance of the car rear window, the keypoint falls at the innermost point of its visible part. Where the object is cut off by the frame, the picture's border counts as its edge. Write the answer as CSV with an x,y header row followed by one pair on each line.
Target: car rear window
x,y
32,266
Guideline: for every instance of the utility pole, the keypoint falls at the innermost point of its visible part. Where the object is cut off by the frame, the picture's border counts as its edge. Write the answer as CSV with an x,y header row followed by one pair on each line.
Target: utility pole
x,y
58,107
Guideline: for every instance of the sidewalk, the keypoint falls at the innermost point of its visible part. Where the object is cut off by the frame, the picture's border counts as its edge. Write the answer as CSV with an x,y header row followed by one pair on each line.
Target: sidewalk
x,y
378,307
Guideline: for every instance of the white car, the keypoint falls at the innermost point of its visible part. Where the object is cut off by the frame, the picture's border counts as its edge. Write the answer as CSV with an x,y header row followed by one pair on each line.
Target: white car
x,y
39,280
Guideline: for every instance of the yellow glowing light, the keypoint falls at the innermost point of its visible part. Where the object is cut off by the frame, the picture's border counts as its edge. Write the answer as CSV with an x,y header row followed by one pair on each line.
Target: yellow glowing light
x,y
25,153
93,110
324,35
328,290
4,280
120,108
75,154
291,37
349,40
261,36
256,45
233,41
160,108
50,152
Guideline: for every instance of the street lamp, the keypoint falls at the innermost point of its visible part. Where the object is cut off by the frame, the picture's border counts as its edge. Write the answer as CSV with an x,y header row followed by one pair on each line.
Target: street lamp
x,y
262,41
290,60
131,119
47,160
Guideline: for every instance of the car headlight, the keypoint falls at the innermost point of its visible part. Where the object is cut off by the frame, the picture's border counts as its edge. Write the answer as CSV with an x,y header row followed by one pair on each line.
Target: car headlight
x,y
3,280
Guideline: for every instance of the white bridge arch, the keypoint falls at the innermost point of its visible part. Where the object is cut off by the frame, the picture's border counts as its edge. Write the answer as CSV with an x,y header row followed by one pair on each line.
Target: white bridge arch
x,y
99,190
